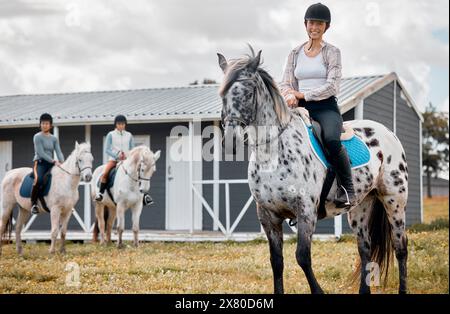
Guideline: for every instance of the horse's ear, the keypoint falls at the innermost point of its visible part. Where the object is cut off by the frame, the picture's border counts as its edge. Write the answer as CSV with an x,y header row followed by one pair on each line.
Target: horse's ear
x,y
254,64
222,62
157,155
76,145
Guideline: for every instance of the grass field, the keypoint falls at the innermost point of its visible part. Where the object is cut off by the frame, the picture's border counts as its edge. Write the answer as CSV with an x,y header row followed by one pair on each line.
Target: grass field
x,y
435,208
215,267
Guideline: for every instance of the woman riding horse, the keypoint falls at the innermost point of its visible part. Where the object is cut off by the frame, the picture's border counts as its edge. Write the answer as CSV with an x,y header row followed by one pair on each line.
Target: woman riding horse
x,y
311,79
118,143
45,144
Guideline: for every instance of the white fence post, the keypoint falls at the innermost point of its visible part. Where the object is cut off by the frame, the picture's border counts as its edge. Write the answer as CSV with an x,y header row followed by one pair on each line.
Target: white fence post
x,y
216,172
227,208
87,187
338,226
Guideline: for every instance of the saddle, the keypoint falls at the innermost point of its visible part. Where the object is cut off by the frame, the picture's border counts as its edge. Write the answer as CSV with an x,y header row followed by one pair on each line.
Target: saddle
x,y
27,186
357,150
109,182
346,134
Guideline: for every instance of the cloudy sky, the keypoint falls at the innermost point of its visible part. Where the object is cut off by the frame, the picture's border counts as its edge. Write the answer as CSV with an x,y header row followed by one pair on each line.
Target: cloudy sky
x,y
80,45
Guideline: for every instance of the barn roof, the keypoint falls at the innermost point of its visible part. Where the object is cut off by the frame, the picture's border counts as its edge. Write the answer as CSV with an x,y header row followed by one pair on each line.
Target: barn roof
x,y
151,105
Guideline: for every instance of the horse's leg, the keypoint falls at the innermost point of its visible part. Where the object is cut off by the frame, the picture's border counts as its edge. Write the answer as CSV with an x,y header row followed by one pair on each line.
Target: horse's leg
x,y
99,213
135,215
22,218
5,220
55,215
358,220
110,222
395,210
120,224
274,231
306,222
65,217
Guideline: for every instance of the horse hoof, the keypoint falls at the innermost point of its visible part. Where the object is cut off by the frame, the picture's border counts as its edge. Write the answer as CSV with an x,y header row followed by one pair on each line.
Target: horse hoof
x,y
120,246
62,251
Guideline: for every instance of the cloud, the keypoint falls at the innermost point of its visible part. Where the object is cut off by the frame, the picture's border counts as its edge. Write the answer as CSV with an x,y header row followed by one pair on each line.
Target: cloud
x,y
90,45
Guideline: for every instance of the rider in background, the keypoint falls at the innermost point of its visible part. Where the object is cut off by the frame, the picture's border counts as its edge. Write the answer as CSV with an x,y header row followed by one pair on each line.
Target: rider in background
x,y
118,143
311,79
45,145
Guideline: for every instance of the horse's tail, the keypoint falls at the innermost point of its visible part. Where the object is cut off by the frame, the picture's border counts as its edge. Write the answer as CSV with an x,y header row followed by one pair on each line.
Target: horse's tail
x,y
96,231
381,249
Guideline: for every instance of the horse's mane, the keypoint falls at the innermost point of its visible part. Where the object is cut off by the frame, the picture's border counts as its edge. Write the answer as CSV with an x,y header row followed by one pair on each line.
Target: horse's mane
x,y
81,147
237,66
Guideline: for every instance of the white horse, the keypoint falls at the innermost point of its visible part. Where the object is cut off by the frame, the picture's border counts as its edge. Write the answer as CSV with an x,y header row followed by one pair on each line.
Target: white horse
x,y
61,199
131,181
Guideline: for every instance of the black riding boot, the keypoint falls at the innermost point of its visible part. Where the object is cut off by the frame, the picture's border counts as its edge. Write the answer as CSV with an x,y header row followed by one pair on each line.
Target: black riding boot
x,y
34,199
99,196
147,200
345,194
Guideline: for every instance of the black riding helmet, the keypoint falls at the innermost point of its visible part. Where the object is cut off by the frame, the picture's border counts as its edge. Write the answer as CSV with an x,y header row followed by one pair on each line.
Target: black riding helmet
x,y
46,117
120,119
318,12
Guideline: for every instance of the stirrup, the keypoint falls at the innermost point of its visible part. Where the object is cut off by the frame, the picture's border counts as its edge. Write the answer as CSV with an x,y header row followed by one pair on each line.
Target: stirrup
x,y
340,204
347,203
147,200
35,209
99,197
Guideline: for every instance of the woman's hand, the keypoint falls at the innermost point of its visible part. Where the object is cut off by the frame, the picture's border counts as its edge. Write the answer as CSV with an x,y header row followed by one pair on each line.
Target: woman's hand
x,y
291,100
299,95
57,163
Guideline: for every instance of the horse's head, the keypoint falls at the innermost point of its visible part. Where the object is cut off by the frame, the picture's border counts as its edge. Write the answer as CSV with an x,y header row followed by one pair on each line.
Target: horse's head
x,y
146,163
84,160
239,95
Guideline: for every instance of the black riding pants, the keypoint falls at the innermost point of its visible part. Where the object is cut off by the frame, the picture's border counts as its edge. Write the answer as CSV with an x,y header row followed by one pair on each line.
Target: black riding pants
x,y
327,113
41,167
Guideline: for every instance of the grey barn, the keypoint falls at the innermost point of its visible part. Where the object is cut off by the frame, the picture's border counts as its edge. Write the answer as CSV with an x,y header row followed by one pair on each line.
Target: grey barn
x,y
189,192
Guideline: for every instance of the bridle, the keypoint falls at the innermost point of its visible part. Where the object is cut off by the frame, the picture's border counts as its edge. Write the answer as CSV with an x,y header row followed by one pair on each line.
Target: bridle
x,y
80,170
246,124
139,178
239,119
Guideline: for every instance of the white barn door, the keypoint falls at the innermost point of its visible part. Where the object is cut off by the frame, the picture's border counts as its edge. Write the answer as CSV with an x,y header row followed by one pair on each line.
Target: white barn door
x,y
5,158
178,211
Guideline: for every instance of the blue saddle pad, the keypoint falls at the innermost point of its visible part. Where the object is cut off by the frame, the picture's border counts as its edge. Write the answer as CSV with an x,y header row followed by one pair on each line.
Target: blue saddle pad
x,y
111,178
27,185
357,150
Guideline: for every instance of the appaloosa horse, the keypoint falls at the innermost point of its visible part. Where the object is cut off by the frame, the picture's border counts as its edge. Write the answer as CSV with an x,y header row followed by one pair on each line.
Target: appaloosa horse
x,y
61,198
289,185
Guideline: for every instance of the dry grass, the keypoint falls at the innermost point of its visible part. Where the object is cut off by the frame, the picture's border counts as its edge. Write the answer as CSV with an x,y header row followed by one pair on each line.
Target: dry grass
x,y
211,268
219,267
435,208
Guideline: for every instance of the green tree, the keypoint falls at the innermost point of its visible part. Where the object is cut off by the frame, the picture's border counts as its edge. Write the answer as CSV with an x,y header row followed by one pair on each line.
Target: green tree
x,y
435,143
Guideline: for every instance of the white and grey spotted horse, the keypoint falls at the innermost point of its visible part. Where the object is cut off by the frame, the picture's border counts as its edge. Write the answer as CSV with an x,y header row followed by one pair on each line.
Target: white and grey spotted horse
x,y
291,189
